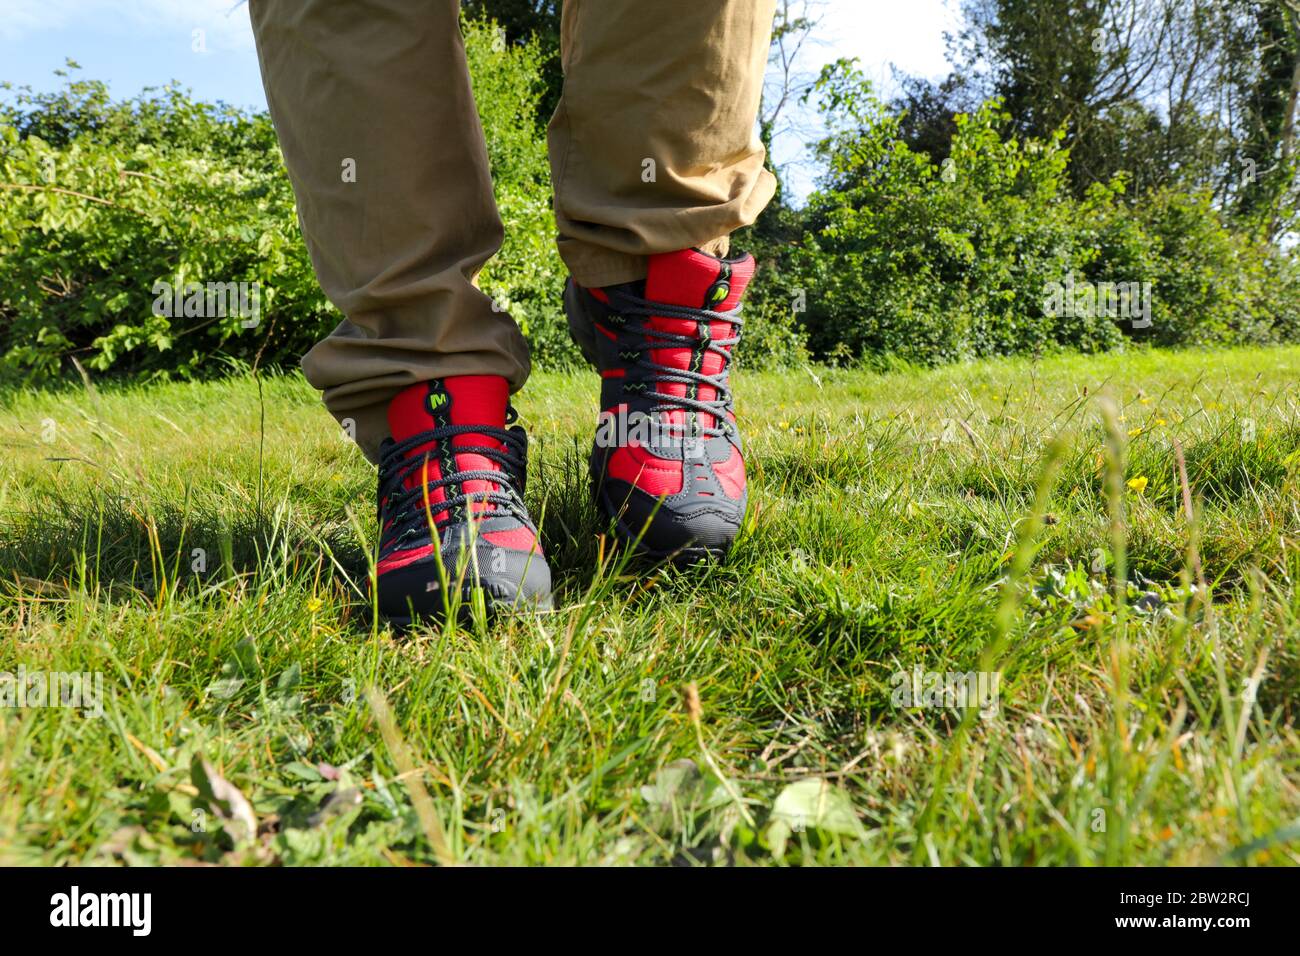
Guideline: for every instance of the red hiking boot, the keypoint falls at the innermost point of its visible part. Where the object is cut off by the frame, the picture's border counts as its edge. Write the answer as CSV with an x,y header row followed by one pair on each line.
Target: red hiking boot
x,y
452,464
667,465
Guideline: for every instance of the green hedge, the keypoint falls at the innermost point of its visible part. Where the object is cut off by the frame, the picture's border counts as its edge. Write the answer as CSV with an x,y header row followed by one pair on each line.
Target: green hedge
x,y
898,258
892,257
101,200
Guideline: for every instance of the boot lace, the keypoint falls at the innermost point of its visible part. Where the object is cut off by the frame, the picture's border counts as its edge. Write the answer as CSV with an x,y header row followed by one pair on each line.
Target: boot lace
x,y
626,305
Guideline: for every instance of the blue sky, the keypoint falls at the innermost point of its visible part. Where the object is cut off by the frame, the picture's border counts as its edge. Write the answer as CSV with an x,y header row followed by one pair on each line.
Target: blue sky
x,y
132,44
207,45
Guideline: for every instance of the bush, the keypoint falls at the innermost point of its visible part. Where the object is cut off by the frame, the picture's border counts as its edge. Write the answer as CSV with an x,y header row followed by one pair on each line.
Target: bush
x,y
102,200
893,258
900,258
1212,284
528,275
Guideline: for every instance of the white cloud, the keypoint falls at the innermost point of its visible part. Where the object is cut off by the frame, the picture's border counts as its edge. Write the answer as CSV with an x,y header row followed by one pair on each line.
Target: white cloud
x,y
905,33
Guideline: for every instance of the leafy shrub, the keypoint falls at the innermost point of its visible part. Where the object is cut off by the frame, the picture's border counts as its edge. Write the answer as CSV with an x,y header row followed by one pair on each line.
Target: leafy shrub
x,y
528,275
893,258
1212,284
900,258
102,200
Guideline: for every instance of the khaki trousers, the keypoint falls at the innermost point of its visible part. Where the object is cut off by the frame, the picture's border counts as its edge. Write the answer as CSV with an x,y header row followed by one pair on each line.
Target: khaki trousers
x,y
372,103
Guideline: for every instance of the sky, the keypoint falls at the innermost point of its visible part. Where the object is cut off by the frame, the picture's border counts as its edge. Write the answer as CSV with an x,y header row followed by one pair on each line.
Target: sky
x,y
207,45
881,34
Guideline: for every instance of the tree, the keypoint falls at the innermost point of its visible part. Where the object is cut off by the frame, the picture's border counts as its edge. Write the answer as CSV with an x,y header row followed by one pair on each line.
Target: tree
x,y
785,89
928,112
1185,94
1069,64
1266,77
522,20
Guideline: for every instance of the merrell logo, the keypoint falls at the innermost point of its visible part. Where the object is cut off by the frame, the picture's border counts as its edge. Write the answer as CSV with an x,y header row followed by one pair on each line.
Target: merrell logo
x,y
102,909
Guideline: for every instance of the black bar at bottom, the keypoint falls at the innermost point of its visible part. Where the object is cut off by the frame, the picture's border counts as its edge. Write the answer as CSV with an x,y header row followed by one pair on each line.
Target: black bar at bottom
x,y
333,907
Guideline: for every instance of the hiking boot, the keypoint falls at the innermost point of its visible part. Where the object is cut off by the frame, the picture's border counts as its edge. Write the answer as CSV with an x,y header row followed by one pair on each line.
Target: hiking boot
x,y
667,466
454,466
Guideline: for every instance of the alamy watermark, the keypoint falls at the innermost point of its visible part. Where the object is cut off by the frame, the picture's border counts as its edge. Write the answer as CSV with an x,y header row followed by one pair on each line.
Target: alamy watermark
x,y
1089,300
33,689
74,908
209,300
626,429
959,690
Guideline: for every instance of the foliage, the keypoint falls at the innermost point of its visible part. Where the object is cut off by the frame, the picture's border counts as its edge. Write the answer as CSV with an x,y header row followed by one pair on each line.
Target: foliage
x,y
1186,94
901,258
103,199
527,275
934,236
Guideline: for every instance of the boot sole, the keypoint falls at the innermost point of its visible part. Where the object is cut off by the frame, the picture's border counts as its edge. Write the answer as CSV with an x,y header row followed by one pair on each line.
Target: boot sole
x,y
497,600
690,554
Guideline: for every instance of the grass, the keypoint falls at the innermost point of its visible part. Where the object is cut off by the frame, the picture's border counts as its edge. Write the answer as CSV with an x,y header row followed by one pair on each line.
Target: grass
x,y
750,712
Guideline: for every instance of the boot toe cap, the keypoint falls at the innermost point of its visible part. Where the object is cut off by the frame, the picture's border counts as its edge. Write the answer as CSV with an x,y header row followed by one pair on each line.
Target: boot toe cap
x,y
690,526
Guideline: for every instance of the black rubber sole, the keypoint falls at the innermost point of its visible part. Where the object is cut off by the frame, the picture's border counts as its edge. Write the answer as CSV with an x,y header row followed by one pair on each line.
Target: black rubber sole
x,y
676,556
496,607
498,598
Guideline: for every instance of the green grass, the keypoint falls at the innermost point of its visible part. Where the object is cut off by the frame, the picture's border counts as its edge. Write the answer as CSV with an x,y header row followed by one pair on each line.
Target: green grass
x,y
741,713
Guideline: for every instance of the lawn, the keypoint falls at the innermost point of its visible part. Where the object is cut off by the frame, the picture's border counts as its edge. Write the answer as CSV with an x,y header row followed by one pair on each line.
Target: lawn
x,y
200,550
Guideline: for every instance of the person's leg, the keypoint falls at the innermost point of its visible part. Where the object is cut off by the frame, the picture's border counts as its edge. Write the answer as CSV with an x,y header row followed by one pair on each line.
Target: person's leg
x,y
656,160
653,145
376,119
373,108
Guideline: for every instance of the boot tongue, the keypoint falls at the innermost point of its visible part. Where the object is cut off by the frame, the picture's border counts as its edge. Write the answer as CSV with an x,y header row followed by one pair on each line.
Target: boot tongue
x,y
455,400
695,280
